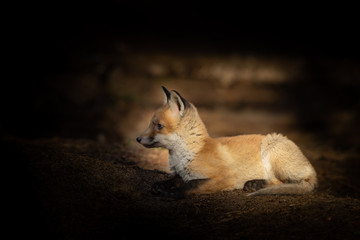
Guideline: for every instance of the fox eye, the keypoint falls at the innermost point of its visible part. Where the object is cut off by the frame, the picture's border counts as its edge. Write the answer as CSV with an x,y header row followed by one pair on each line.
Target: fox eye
x,y
159,126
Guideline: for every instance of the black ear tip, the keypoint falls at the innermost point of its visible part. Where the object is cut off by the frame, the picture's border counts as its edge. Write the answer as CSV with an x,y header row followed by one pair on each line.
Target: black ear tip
x,y
164,89
166,92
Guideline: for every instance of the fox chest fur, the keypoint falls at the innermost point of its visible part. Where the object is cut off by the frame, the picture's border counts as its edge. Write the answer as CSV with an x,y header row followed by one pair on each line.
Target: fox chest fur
x,y
180,157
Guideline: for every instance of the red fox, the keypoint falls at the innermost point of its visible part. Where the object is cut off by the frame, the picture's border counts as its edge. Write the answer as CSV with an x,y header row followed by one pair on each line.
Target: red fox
x,y
261,164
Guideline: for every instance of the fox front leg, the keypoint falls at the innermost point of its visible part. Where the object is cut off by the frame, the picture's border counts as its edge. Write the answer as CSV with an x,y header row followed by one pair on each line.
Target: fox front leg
x,y
184,190
167,185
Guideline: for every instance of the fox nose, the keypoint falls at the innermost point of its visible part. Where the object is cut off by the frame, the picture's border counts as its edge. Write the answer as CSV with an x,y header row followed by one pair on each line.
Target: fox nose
x,y
138,139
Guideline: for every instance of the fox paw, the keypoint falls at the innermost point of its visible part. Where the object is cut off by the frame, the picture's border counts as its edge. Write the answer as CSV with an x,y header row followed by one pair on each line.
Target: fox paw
x,y
166,192
159,188
254,185
172,195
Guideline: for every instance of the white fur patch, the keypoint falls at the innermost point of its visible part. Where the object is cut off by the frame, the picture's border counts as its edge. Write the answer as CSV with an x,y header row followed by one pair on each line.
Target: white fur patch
x,y
179,156
267,165
265,157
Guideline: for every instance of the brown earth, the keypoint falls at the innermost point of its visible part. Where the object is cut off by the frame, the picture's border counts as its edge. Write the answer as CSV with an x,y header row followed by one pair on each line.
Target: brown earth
x,y
84,189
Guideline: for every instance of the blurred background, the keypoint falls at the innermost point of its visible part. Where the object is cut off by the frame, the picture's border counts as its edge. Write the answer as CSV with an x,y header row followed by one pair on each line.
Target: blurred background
x,y
95,70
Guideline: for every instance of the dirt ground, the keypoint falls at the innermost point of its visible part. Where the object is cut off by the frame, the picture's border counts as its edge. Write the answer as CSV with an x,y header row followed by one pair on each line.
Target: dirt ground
x,y
78,173
85,189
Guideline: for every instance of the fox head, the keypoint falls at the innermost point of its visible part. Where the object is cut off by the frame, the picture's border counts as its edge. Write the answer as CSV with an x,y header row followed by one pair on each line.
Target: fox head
x,y
171,123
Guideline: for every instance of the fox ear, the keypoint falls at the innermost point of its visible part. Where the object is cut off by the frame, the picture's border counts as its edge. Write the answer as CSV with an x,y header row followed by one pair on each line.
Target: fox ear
x,y
178,102
167,95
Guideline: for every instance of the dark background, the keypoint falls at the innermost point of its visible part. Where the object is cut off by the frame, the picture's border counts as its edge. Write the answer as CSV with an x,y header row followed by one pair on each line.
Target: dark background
x,y
49,48
46,40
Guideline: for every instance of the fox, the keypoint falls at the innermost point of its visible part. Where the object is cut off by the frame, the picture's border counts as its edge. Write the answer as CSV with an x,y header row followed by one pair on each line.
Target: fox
x,y
199,164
